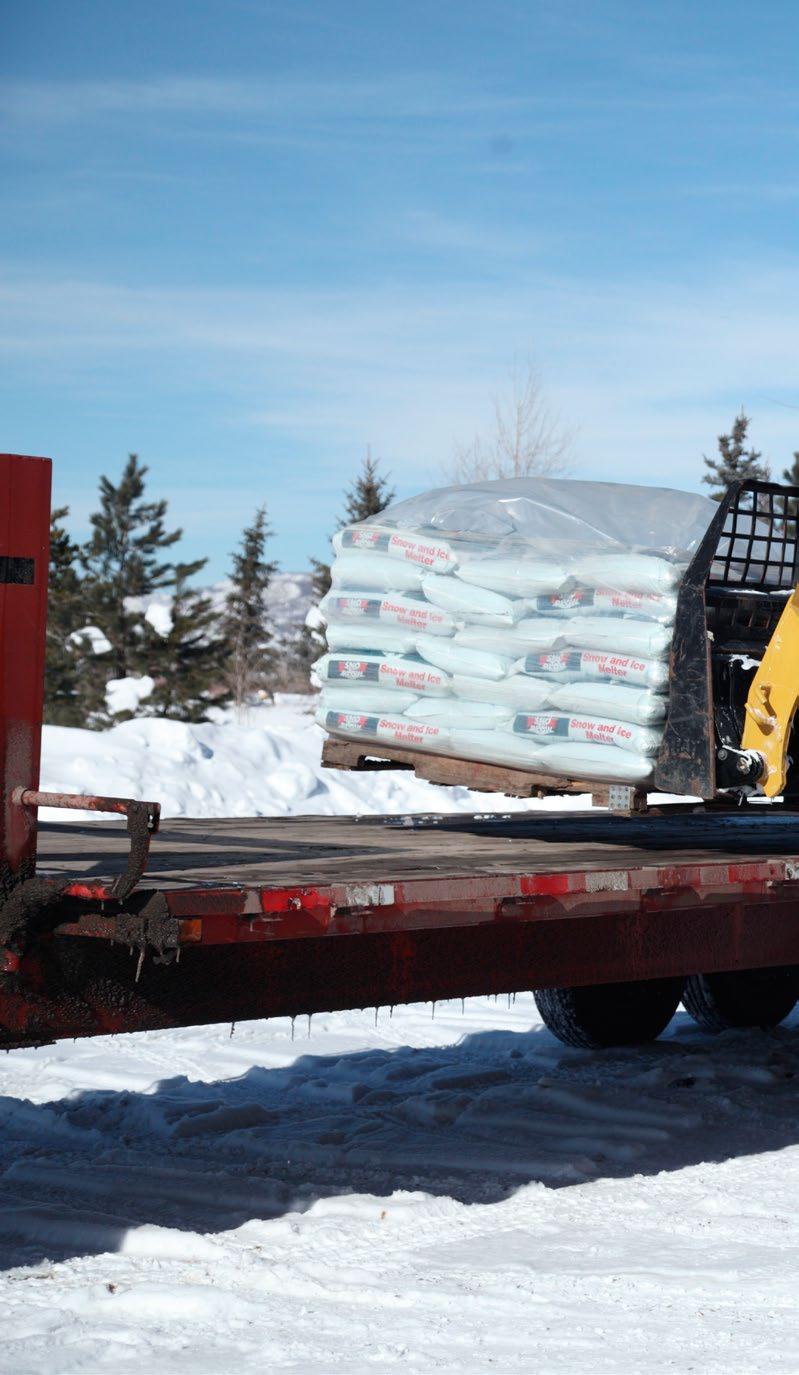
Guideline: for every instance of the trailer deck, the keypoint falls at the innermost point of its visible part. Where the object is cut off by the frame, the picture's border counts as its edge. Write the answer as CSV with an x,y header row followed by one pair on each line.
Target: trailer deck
x,y
239,919
269,852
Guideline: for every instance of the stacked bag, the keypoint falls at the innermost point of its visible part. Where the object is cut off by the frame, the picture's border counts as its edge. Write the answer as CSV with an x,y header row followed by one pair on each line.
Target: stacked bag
x,y
544,654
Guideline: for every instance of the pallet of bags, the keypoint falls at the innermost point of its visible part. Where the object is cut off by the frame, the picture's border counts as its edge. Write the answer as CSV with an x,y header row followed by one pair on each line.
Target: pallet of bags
x,y
524,624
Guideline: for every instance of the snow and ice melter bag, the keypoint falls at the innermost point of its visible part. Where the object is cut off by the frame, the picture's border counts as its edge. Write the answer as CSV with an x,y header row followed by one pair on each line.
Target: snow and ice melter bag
x,y
525,622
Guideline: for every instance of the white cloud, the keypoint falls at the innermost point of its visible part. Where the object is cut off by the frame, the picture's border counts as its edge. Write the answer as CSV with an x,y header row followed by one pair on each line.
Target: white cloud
x,y
412,95
647,372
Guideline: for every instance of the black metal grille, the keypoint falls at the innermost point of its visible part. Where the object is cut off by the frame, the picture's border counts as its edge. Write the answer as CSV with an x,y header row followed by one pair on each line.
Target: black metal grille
x,y
730,600
758,545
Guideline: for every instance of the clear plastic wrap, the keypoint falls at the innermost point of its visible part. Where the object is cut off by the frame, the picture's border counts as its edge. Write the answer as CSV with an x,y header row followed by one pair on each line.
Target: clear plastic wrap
x,y
532,619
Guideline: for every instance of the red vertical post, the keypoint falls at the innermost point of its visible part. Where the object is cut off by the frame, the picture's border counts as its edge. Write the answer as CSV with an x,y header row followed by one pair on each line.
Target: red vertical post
x,y
24,564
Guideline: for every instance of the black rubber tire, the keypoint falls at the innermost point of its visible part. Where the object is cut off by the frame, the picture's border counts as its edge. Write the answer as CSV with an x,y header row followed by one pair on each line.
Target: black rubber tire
x,y
603,1015
745,997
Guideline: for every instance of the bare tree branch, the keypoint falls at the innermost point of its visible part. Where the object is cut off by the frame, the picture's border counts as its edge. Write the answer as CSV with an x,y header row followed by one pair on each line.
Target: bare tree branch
x,y
528,437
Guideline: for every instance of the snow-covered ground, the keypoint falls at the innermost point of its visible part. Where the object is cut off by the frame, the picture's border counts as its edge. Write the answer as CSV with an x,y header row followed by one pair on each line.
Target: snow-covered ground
x,y
458,1194
452,1192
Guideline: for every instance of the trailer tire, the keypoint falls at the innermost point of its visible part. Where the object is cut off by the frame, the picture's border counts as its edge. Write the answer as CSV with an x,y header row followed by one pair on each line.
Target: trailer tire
x,y
741,998
603,1015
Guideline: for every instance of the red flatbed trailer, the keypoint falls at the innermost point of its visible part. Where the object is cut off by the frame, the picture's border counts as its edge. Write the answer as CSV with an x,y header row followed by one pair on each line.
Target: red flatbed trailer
x,y
241,919
100,931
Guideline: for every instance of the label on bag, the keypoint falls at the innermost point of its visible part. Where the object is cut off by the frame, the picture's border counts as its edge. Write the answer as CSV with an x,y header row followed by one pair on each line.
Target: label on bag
x,y
395,730
387,672
400,611
593,663
588,730
609,601
427,552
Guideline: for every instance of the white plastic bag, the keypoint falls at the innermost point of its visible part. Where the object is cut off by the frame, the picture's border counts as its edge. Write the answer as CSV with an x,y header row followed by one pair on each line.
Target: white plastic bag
x,y
452,713
375,636
589,730
641,705
541,634
471,603
572,760
513,577
622,634
399,731
626,572
429,552
376,571
404,672
364,698
498,747
392,609
607,601
571,665
519,691
453,658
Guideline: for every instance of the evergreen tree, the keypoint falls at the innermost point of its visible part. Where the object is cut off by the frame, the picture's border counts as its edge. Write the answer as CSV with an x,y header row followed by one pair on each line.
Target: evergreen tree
x,y
368,496
123,560
791,475
735,461
320,579
73,687
246,620
189,664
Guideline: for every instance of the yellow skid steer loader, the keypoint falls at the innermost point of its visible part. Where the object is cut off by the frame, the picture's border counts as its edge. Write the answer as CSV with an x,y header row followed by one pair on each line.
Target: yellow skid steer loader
x,y
734,675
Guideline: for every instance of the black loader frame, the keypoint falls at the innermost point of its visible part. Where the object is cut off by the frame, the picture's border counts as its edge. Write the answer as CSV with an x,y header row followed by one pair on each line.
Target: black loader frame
x,y
729,602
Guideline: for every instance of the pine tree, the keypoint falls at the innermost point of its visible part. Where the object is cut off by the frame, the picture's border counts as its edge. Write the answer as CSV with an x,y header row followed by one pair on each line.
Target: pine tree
x,y
246,620
73,687
122,560
735,461
368,496
189,664
791,475
320,579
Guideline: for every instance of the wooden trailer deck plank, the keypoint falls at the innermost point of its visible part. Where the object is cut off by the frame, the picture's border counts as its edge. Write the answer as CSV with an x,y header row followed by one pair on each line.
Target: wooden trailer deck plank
x,y
306,851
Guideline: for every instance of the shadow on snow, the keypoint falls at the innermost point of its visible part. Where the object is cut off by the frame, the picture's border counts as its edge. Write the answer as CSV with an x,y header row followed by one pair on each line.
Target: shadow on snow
x,y
472,1121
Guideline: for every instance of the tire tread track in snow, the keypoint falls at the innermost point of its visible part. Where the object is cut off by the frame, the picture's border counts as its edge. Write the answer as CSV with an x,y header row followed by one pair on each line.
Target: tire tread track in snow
x,y
449,1194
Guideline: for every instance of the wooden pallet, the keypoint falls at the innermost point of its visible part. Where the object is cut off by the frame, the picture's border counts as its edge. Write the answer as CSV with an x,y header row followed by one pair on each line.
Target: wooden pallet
x,y
470,773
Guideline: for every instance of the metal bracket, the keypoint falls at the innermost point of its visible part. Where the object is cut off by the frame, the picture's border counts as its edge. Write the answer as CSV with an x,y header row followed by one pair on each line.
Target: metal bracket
x,y
626,800
143,818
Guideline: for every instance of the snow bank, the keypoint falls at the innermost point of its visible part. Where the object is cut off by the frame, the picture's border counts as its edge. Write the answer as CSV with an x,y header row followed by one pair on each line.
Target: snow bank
x,y
268,764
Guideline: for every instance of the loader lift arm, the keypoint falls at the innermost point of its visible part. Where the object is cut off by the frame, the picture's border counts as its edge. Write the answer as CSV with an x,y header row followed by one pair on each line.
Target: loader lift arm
x,y
772,700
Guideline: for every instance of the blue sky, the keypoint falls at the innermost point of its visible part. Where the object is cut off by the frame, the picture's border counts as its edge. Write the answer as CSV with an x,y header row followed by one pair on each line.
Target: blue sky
x,y
248,239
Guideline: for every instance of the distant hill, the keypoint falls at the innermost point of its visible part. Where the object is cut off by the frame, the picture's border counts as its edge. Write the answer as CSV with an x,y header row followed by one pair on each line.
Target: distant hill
x,y
289,599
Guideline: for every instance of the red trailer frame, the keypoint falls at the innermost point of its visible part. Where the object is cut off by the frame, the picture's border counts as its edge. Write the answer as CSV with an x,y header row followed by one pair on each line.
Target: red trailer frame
x,y
258,918
184,953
